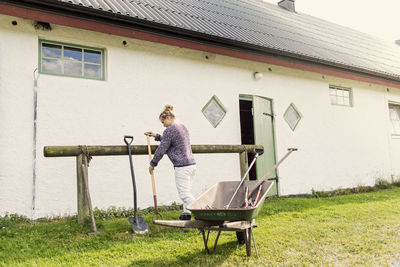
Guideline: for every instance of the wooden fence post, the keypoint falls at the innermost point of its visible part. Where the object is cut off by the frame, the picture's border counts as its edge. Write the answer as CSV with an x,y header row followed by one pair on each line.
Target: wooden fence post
x,y
83,205
244,164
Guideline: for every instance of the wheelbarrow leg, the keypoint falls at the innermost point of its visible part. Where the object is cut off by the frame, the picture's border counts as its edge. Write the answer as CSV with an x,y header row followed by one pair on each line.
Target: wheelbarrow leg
x,y
254,242
206,241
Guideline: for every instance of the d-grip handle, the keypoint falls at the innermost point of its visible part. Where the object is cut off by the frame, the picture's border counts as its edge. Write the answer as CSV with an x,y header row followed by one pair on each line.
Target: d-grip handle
x,y
259,151
126,138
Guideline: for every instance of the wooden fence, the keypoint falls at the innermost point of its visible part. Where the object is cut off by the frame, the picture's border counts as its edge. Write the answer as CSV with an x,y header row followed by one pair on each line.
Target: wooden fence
x,y
85,153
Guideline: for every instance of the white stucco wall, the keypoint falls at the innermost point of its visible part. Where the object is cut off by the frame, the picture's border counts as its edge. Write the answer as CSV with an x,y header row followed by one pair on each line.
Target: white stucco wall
x,y
16,118
338,146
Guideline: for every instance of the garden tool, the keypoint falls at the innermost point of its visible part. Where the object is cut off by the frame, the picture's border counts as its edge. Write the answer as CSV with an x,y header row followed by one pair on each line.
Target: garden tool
x,y
153,183
138,224
258,152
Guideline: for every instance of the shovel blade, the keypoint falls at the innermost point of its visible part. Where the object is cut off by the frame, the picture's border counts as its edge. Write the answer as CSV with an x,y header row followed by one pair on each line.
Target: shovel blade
x,y
139,226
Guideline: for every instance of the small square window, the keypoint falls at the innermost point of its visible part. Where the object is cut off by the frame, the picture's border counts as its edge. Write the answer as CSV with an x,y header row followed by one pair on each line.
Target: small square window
x,y
214,111
292,116
340,96
71,60
394,115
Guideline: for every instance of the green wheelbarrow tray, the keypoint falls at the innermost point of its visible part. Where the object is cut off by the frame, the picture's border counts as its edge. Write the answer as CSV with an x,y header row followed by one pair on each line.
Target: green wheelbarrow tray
x,y
210,206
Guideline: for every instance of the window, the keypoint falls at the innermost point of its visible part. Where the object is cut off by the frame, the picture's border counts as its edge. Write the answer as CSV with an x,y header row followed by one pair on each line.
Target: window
x,y
394,113
292,116
71,60
214,111
340,96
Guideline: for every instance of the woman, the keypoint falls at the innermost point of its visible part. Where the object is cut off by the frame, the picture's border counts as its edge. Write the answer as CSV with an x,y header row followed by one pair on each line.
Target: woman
x,y
176,144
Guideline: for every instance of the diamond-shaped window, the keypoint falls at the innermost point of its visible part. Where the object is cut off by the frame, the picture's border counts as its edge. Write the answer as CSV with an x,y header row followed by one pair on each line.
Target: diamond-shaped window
x,y
292,116
214,111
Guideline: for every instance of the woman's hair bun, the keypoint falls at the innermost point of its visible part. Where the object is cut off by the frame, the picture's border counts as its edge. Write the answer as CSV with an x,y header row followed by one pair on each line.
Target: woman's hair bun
x,y
167,112
168,108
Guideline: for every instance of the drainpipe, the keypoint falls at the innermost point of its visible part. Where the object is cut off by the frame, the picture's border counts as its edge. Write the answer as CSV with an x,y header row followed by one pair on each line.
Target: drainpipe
x,y
35,79
386,98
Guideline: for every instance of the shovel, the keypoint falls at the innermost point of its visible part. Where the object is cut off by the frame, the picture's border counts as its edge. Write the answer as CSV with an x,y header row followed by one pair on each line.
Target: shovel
x,y
153,183
139,225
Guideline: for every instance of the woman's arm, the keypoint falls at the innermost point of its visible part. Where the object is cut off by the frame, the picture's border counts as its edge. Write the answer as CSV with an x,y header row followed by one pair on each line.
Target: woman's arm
x,y
166,140
156,136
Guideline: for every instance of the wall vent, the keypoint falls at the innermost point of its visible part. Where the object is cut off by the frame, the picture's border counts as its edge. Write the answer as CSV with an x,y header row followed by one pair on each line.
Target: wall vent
x,y
287,4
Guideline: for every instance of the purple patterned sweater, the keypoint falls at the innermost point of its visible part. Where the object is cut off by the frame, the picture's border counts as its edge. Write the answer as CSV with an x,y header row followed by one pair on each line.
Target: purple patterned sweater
x,y
175,143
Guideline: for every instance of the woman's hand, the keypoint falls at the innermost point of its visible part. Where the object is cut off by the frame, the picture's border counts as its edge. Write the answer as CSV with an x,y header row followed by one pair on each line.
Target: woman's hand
x,y
151,169
150,134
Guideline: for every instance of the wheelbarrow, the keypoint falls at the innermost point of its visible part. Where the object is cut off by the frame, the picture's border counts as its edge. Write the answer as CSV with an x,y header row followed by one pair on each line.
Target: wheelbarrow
x,y
224,207
211,214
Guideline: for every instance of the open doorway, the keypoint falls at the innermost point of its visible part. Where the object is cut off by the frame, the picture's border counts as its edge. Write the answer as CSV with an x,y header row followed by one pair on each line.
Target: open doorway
x,y
247,130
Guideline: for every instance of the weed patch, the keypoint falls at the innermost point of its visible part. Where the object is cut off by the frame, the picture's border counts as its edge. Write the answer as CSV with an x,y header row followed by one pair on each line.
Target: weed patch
x,y
12,220
380,184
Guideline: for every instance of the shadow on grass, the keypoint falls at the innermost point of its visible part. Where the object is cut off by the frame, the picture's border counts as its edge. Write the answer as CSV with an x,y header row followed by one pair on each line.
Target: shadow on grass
x,y
298,204
198,258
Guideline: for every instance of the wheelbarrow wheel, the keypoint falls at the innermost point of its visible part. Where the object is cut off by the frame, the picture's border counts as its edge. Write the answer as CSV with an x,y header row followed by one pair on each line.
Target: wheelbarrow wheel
x,y
248,234
241,237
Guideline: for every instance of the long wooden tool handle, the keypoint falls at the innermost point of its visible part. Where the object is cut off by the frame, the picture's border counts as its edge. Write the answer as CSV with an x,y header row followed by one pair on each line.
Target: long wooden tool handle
x,y
153,183
290,150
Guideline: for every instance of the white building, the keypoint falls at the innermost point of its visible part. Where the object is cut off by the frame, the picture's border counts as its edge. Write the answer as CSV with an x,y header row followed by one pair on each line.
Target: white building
x,y
91,74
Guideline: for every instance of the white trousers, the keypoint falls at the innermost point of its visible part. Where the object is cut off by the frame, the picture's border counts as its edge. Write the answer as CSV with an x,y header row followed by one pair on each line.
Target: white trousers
x,y
183,179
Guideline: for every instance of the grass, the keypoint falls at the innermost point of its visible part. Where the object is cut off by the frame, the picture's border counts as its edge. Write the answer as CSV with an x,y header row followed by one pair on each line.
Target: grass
x,y
346,230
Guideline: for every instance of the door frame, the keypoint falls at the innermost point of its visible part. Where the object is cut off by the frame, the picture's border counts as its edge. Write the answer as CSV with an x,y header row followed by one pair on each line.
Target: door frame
x,y
250,97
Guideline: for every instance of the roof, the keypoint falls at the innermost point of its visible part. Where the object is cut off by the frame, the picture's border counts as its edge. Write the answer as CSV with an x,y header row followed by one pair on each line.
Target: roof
x,y
256,26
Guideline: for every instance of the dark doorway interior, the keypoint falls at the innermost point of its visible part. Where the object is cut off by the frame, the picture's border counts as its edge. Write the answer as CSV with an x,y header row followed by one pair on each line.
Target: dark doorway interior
x,y
247,130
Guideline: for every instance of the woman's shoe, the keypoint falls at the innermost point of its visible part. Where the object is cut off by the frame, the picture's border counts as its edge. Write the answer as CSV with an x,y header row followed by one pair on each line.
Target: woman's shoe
x,y
185,217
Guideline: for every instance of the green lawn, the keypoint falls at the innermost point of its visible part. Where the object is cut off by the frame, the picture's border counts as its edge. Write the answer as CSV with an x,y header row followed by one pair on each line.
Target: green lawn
x,y
359,229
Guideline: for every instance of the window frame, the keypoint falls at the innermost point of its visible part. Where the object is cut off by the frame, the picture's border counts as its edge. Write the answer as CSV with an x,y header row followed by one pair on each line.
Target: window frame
x,y
83,47
218,102
341,88
295,109
392,131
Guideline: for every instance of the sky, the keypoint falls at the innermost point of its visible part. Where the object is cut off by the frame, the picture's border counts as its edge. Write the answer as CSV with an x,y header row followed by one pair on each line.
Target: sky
x,y
380,18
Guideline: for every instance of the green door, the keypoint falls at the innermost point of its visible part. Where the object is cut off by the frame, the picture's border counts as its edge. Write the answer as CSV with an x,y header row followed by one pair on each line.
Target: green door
x,y
264,135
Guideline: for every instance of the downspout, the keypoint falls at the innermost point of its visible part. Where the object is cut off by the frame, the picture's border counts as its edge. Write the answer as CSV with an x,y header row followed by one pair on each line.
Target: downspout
x,y
389,131
35,79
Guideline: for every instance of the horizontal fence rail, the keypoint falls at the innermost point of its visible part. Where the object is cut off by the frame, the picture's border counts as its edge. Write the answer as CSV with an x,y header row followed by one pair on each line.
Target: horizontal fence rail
x,y
73,151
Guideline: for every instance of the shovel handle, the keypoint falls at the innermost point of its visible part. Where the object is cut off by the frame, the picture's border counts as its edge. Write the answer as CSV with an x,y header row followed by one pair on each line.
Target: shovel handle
x,y
153,183
127,138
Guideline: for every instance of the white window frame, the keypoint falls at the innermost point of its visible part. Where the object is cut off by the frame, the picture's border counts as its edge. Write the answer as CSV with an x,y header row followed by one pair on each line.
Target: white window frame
x,y
394,117
341,96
